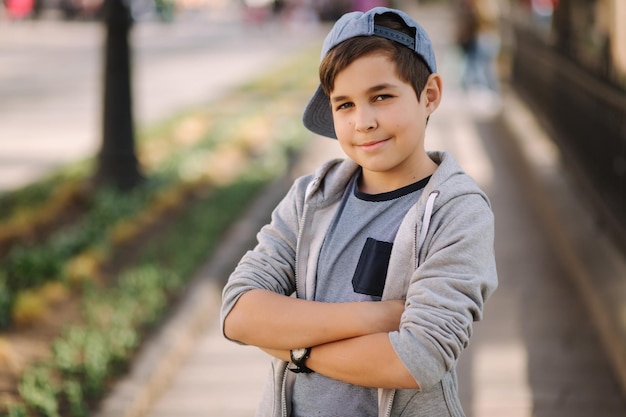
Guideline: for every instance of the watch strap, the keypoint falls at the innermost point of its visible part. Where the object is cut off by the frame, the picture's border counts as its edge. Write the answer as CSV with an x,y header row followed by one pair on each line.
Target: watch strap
x,y
300,363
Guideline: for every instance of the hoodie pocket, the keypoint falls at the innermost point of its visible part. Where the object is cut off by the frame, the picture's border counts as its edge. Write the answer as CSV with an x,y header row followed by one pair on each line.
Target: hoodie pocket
x,y
371,271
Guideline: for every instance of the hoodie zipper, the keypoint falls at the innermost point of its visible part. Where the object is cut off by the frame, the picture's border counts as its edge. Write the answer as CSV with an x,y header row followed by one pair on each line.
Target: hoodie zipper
x,y
303,221
297,263
390,403
428,213
283,395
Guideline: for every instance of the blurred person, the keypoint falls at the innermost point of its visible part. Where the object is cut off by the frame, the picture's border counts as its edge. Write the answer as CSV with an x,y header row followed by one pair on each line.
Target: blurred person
x,y
466,28
366,282
479,39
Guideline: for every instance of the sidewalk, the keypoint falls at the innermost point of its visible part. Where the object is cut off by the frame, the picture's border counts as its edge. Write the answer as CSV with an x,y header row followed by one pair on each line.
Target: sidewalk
x,y
547,346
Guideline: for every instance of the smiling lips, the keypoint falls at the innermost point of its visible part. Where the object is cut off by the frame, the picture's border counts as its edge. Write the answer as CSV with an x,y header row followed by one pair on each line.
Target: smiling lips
x,y
373,145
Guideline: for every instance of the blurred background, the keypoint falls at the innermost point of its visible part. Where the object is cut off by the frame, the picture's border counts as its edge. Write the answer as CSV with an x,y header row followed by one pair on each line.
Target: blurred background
x,y
143,143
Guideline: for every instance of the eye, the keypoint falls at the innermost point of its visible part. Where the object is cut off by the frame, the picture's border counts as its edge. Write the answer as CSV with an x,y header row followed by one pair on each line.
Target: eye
x,y
343,106
382,97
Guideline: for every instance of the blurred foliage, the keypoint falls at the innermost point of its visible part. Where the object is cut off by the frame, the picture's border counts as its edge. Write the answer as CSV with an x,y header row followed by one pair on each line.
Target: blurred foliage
x,y
205,166
257,126
33,195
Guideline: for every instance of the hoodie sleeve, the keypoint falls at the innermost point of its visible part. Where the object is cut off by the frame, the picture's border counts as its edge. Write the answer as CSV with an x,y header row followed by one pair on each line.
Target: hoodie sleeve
x,y
448,290
271,264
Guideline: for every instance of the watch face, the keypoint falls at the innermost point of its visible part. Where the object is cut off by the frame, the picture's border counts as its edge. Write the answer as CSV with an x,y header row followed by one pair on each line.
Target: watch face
x,y
298,353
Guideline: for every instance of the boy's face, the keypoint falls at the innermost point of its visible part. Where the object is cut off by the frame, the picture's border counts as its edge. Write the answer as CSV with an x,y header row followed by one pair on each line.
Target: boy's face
x,y
380,123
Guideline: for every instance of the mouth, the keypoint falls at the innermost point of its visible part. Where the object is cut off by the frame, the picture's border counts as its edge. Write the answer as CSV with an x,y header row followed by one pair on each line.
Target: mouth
x,y
373,145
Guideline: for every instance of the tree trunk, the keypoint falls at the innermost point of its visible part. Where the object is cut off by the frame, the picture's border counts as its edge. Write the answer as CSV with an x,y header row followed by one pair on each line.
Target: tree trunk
x,y
117,160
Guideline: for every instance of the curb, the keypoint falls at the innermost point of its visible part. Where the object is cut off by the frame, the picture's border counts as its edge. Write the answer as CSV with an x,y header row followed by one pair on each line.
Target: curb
x,y
591,259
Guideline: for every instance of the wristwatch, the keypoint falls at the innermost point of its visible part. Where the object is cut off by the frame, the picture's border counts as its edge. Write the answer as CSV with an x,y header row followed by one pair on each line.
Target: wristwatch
x,y
298,358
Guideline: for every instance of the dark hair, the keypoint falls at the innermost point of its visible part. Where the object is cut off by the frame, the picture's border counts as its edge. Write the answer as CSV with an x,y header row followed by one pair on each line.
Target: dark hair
x,y
410,67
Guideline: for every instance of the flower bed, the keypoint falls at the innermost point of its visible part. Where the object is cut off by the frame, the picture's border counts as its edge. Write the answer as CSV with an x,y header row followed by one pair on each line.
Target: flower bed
x,y
116,266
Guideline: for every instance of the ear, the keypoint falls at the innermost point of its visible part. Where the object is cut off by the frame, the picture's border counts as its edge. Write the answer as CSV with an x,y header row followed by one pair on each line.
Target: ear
x,y
432,93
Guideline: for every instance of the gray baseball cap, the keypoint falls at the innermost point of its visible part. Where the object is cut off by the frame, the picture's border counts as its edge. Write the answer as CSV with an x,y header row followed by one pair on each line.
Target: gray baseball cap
x,y
318,116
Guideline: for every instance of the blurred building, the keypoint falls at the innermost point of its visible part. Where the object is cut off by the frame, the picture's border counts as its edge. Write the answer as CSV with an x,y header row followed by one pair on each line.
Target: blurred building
x,y
590,32
569,61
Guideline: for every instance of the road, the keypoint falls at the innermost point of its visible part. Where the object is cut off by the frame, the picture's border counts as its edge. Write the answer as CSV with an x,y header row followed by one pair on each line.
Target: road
x,y
51,71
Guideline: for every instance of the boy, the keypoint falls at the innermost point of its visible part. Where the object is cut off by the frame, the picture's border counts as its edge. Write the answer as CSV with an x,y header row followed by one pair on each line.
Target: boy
x,y
365,284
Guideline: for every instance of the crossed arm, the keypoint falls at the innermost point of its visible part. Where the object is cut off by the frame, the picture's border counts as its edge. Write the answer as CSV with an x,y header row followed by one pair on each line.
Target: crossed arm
x,y
350,340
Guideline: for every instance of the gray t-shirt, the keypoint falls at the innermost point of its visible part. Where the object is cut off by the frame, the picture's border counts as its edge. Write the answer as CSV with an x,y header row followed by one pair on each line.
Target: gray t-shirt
x,y
353,267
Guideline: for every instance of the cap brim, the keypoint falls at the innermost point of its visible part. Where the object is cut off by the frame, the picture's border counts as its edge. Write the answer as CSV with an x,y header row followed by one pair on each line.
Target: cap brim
x,y
318,117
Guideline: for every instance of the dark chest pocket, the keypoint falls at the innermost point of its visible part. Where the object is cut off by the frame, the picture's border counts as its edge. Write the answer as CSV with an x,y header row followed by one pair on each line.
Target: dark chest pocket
x,y
371,271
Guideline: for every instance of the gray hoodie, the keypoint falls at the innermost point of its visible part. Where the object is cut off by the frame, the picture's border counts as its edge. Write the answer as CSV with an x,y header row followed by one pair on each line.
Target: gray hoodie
x,y
442,264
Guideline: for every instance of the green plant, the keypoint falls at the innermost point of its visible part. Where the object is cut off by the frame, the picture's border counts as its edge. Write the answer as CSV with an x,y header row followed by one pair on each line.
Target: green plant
x,y
16,410
118,312
73,393
37,388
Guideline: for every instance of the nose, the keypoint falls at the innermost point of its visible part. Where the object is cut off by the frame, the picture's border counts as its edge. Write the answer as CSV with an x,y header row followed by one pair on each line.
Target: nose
x,y
365,120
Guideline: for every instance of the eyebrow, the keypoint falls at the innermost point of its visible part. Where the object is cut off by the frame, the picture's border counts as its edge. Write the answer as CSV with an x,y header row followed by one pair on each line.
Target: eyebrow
x,y
373,89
